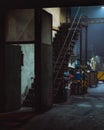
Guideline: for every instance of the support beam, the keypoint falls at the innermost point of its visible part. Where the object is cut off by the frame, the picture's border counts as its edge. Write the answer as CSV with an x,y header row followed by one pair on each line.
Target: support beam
x,y
81,58
43,59
95,20
86,44
37,16
2,47
47,3
81,47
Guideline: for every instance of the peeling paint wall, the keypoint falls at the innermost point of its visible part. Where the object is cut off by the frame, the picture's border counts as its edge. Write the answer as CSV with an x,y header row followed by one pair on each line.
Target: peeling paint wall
x,y
27,70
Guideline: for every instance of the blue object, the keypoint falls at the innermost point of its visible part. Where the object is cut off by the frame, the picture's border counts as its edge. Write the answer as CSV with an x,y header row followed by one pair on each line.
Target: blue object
x,y
77,76
66,73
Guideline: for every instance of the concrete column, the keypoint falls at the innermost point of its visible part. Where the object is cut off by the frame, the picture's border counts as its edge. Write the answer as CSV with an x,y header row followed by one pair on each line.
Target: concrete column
x,y
43,45
46,61
37,103
2,43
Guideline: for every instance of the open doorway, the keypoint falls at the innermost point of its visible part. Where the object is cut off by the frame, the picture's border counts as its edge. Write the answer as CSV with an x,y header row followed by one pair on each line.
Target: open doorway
x,y
19,55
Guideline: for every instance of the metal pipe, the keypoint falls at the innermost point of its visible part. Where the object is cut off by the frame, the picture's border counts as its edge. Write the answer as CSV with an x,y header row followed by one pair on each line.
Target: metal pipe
x,y
81,57
86,45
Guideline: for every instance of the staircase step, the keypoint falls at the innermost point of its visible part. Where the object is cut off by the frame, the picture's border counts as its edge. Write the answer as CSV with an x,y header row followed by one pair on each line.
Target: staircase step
x,y
32,90
84,24
64,25
33,84
75,29
30,96
28,103
60,39
62,69
73,41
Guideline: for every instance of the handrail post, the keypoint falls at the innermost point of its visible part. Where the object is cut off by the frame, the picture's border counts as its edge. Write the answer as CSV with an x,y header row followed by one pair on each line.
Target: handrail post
x,y
81,58
86,45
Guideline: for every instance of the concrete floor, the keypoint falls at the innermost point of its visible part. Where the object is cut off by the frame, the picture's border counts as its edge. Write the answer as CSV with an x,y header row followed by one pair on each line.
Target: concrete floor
x,y
77,113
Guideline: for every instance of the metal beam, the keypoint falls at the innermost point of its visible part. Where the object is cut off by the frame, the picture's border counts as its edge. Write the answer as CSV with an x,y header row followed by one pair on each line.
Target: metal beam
x,y
86,44
95,20
48,3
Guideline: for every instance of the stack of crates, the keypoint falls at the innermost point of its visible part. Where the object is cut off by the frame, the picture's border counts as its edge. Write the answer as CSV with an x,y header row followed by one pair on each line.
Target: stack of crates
x,y
77,86
92,78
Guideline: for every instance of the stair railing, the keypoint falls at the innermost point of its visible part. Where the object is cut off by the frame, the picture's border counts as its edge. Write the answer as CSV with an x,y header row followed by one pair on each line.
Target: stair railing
x,y
81,18
76,15
66,37
67,48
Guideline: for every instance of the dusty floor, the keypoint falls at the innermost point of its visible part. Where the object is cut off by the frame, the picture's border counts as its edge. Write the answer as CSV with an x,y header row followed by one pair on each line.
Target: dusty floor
x,y
78,113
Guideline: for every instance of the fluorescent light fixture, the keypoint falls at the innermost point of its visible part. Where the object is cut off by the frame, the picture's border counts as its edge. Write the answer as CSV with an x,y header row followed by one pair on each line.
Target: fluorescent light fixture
x,y
102,7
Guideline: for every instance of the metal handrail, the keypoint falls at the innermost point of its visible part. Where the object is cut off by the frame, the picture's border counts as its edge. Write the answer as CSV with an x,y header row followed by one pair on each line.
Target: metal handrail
x,y
66,38
79,20
67,48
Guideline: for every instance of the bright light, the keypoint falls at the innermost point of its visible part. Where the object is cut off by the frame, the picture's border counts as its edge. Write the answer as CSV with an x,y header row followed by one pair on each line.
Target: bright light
x,y
102,7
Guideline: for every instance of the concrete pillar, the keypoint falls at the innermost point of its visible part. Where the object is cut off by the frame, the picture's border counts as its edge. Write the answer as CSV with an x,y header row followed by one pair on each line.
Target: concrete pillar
x,y
2,43
43,45
37,51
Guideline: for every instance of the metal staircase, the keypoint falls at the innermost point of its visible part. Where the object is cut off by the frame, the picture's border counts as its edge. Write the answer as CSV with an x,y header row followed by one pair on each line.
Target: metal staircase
x,y
30,96
63,46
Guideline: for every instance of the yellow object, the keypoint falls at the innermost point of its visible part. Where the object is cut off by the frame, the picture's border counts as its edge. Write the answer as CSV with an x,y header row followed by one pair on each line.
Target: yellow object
x,y
100,75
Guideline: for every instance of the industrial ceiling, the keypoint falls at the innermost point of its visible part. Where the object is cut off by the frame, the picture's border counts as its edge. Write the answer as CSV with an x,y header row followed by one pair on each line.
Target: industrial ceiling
x,y
48,3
